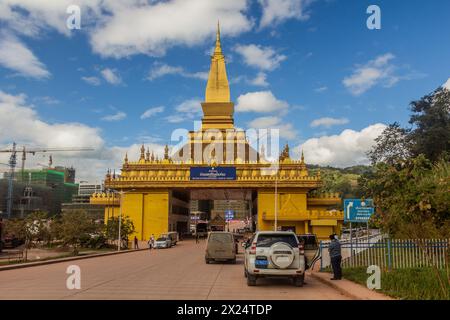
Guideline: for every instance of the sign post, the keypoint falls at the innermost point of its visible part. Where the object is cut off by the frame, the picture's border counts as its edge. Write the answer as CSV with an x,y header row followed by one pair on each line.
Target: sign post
x,y
229,215
358,210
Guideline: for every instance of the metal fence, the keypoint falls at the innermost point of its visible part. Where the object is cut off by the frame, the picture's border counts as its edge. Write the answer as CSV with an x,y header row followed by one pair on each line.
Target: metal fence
x,y
390,253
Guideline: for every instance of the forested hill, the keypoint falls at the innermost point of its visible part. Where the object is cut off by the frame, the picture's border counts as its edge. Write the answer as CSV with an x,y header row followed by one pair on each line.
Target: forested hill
x,y
341,180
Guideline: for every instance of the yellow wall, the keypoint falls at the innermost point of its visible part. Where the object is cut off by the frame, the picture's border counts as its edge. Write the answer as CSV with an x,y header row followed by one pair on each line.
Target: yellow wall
x,y
156,213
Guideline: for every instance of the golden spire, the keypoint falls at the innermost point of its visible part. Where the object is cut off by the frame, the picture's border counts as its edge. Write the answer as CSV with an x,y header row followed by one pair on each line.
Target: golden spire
x,y
126,158
303,157
147,155
166,152
142,158
217,88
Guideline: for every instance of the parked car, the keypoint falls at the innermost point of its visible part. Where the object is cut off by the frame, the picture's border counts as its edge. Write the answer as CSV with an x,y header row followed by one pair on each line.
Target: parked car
x,y
274,254
311,247
163,242
220,246
173,235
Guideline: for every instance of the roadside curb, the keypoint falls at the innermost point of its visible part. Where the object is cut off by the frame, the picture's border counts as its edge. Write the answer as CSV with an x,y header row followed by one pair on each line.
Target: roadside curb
x,y
52,261
334,286
349,288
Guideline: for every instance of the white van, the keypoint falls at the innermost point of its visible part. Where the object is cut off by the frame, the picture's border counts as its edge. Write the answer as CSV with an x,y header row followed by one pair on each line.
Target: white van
x,y
173,235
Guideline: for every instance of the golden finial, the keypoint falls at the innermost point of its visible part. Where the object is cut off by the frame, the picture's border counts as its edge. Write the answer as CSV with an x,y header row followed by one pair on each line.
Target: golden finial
x,y
126,158
218,48
303,157
142,153
147,155
152,158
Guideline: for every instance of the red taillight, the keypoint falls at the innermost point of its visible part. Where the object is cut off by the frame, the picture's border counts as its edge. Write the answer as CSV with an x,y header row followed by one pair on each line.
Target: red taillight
x,y
253,248
301,248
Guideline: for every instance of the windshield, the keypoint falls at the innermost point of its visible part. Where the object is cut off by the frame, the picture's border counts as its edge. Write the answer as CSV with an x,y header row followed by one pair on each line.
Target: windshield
x,y
220,237
267,240
161,239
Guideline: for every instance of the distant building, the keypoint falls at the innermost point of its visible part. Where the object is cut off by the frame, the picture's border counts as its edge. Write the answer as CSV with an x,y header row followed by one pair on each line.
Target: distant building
x,y
81,201
89,188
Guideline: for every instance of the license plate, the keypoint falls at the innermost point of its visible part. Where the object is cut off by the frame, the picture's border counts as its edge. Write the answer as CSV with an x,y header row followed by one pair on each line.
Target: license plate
x,y
261,263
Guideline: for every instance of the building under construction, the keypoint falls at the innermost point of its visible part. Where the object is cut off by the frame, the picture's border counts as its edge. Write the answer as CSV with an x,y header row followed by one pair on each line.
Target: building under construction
x,y
39,190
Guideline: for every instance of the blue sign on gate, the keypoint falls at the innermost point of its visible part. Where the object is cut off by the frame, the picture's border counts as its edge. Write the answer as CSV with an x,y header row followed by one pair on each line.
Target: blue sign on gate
x,y
229,215
358,210
213,173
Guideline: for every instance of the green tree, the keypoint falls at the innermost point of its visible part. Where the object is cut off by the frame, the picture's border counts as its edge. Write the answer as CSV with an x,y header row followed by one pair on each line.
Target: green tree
x,y
412,198
112,229
34,227
392,146
75,226
431,125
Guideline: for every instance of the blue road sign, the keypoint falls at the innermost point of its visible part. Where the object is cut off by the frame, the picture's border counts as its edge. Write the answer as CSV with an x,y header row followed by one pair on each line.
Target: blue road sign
x,y
229,215
357,210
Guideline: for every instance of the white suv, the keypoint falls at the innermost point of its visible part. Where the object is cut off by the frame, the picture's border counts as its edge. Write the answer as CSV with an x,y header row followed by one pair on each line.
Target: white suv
x,y
273,254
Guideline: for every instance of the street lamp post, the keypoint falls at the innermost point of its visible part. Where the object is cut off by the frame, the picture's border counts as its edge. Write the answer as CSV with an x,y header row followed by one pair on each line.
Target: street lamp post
x,y
276,201
120,220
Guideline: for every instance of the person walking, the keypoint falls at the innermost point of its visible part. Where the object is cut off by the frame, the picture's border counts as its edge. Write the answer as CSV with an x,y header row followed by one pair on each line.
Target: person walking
x,y
196,237
336,257
136,243
152,241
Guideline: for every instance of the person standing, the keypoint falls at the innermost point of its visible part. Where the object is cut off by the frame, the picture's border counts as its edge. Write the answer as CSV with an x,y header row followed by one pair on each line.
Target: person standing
x,y
196,237
336,257
149,242
136,243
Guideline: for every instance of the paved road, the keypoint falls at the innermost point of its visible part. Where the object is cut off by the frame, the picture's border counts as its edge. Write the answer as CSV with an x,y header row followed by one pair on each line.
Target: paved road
x,y
176,273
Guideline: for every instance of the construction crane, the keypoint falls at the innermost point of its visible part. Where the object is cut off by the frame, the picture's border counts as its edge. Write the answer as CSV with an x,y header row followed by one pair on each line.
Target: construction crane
x,y
13,162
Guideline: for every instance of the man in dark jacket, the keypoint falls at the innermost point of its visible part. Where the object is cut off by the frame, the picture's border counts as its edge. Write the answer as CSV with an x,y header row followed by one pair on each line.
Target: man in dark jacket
x,y
335,255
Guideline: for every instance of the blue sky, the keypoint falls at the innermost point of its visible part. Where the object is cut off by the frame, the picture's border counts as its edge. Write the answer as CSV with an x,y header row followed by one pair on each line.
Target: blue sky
x,y
311,68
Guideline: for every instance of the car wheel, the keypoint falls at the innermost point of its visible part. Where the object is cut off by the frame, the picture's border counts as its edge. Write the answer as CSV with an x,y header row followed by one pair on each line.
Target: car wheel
x,y
298,281
251,280
207,261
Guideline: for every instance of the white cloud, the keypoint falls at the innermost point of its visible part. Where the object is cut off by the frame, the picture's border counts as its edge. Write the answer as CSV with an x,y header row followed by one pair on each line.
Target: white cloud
x,y
277,11
260,80
16,56
119,115
151,112
377,71
447,84
187,110
321,89
20,121
260,101
346,149
111,76
152,28
94,81
263,58
287,130
90,165
120,28
328,122
161,69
